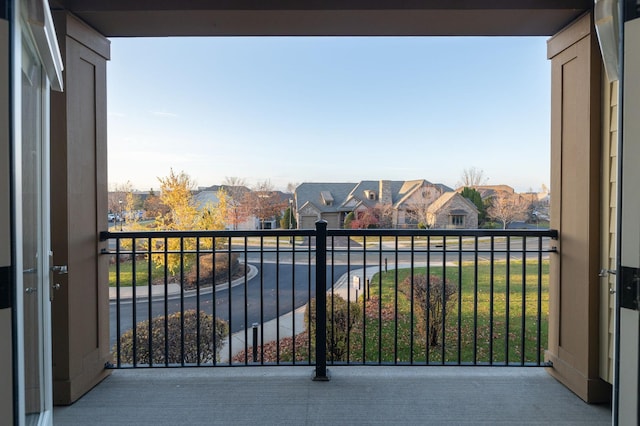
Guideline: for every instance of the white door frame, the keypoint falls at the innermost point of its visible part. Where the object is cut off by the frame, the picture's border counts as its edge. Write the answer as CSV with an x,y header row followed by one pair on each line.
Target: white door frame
x,y
32,20
626,408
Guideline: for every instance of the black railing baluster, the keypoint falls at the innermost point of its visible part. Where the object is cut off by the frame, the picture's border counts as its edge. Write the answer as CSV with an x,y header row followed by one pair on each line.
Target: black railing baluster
x,y
380,300
395,304
444,298
229,286
475,301
539,305
331,336
309,275
118,307
428,301
507,301
364,286
293,299
412,302
150,301
261,302
182,335
459,336
134,304
246,311
523,313
348,301
214,302
491,296
278,300
321,302
166,302
198,301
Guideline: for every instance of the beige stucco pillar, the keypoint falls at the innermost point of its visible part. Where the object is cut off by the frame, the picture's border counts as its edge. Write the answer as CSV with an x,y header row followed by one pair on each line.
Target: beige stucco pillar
x,y
575,210
80,310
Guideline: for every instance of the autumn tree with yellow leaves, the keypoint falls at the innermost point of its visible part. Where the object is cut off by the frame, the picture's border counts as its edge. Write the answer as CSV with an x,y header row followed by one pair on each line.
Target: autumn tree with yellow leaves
x,y
183,214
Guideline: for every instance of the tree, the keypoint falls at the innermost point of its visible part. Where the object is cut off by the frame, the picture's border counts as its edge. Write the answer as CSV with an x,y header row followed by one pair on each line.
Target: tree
x,y
153,206
288,220
473,177
264,202
474,196
236,188
120,198
350,217
430,298
182,214
507,208
176,194
379,216
344,323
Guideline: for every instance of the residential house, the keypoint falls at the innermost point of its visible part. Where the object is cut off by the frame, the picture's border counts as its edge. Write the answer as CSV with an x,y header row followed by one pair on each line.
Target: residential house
x,y
326,201
402,203
452,210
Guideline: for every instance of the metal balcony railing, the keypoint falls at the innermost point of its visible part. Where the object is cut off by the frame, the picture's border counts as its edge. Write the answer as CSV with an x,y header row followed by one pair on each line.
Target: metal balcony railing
x,y
329,297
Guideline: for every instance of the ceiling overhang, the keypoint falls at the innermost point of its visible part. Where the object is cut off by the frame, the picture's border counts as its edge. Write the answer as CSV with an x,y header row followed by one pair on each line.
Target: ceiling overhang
x,y
127,18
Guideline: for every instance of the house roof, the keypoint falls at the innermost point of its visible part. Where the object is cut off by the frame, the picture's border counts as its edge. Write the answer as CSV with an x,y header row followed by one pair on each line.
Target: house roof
x,y
203,198
365,186
347,196
487,191
313,193
446,198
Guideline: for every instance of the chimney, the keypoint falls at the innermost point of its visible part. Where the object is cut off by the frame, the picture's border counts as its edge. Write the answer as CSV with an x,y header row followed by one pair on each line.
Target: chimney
x,y
385,192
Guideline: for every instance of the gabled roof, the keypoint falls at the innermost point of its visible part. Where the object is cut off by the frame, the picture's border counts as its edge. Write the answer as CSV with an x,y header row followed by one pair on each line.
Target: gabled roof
x,y
374,186
487,191
346,196
203,198
312,193
446,198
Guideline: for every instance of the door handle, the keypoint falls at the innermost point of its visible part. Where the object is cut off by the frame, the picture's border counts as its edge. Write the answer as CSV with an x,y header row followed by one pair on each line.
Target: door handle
x,y
60,269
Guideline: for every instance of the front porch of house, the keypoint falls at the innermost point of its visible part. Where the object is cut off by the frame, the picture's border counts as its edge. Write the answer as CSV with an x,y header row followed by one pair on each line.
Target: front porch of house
x,y
355,395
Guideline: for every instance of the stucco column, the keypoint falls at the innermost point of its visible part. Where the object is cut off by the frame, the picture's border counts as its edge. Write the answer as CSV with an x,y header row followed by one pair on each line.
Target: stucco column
x,y
80,310
575,210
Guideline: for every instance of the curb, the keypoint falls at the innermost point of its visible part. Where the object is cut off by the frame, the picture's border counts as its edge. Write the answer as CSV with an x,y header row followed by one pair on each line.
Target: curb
x,y
174,289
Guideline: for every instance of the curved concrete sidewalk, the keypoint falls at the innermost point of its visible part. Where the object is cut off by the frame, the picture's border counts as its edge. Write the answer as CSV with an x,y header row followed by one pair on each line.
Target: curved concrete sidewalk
x,y
293,321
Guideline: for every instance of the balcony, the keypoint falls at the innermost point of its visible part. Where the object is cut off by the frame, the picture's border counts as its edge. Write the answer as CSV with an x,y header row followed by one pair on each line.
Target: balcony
x,y
483,305
362,395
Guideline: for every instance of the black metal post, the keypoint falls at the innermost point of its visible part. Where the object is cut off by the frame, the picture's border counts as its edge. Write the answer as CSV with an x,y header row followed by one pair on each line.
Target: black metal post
x,y
368,288
321,302
255,342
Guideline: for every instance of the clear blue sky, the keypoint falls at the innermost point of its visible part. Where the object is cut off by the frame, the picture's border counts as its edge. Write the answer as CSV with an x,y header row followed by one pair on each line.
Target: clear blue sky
x,y
329,109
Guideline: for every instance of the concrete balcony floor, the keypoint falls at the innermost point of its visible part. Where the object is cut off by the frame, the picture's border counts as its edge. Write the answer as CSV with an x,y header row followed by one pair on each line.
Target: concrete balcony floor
x,y
355,396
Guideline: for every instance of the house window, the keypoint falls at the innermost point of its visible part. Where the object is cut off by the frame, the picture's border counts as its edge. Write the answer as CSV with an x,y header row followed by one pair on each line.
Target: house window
x,y
457,220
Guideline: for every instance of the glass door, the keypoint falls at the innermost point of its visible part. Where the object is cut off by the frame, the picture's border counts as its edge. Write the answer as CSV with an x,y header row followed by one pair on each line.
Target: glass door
x,y
35,241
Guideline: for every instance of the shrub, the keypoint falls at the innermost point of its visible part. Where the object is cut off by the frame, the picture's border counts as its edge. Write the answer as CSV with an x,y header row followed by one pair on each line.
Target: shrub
x,y
206,350
430,303
224,270
348,219
343,325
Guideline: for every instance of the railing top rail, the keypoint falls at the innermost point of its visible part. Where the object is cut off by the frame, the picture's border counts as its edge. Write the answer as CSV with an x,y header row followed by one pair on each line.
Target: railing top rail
x,y
105,235
551,233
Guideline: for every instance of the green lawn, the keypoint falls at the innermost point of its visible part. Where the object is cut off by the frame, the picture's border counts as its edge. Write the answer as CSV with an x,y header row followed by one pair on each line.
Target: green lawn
x,y
474,327
126,273
477,329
